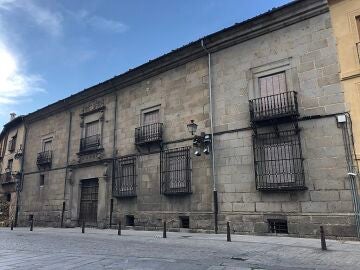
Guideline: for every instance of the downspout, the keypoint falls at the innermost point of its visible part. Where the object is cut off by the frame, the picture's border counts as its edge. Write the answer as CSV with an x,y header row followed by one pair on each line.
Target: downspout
x,y
216,208
19,186
66,171
114,156
353,170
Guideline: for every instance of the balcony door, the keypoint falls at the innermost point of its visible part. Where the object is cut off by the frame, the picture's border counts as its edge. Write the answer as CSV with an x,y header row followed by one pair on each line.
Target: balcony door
x,y
151,117
272,89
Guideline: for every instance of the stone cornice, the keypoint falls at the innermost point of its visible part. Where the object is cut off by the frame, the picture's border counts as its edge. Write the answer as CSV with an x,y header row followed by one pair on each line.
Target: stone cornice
x,y
275,19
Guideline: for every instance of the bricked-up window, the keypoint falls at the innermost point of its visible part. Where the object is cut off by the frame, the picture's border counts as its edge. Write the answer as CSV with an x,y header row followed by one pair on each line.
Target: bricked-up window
x,y
278,161
175,176
124,180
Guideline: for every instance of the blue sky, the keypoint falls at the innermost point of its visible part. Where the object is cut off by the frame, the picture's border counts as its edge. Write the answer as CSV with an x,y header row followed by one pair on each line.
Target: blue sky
x,y
51,49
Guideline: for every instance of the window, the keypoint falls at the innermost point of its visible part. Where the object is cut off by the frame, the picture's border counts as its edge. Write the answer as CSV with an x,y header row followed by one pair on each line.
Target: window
x,y
92,129
47,145
278,161
151,117
358,25
124,182
42,180
91,141
184,222
12,144
175,171
10,165
272,84
278,226
130,220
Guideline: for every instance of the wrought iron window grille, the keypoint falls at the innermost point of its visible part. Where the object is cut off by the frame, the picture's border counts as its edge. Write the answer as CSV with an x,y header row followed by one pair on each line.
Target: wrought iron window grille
x,y
44,158
277,106
91,143
278,161
124,177
175,171
278,226
149,133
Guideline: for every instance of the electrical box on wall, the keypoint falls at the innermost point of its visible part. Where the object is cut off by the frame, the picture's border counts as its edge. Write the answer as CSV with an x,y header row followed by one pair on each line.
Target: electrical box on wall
x,y
341,118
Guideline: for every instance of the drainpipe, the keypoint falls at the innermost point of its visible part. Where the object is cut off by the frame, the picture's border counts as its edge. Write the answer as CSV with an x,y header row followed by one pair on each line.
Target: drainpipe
x,y
114,156
19,185
67,169
216,209
353,171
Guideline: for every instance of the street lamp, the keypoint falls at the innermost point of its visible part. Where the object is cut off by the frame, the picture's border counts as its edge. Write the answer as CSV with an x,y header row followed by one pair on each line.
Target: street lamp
x,y
192,127
201,143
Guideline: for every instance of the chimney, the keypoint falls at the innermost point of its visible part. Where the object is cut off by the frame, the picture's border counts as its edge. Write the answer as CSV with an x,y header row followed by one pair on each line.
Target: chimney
x,y
12,116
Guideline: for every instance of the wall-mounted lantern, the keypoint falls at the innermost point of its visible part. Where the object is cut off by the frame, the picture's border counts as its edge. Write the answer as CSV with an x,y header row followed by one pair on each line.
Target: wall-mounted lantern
x,y
201,143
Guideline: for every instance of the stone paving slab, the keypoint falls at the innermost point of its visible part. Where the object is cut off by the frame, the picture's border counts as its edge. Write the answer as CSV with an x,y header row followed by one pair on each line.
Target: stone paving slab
x,y
51,248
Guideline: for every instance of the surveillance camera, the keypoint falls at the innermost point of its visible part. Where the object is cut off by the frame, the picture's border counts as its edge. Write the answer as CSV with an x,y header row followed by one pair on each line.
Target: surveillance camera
x,y
197,153
207,139
206,151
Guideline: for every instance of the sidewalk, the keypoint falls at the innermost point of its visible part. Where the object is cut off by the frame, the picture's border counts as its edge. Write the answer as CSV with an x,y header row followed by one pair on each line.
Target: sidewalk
x,y
54,248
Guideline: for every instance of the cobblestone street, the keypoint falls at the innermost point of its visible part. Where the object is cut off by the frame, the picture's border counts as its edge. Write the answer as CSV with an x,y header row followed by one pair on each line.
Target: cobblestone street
x,y
48,248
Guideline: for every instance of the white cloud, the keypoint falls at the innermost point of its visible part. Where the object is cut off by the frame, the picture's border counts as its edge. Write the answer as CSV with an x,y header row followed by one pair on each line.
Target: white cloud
x,y
104,24
15,85
99,22
45,18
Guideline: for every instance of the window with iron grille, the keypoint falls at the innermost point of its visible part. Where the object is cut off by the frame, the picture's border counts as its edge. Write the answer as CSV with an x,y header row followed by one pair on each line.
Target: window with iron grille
x,y
278,161
175,176
124,180
278,226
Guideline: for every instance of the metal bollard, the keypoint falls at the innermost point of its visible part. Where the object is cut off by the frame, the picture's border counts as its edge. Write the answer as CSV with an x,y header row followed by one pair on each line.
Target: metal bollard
x,y
228,235
119,228
12,225
164,230
322,236
31,224
83,227
62,215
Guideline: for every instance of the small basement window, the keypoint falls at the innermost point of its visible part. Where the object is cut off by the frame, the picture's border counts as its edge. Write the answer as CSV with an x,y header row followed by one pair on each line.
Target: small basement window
x,y
184,222
278,226
42,180
8,197
130,220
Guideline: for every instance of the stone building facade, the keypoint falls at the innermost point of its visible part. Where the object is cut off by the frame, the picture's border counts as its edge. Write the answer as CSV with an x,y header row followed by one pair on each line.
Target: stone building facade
x,y
266,92
12,141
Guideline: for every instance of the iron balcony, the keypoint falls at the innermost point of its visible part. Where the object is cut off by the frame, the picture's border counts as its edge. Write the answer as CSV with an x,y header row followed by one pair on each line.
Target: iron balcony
x,y
275,107
7,178
44,158
148,134
91,143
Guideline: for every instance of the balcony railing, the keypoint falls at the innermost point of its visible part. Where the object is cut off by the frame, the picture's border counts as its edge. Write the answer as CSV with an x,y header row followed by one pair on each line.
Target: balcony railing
x,y
44,158
275,106
278,161
7,178
124,181
91,143
175,171
148,134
